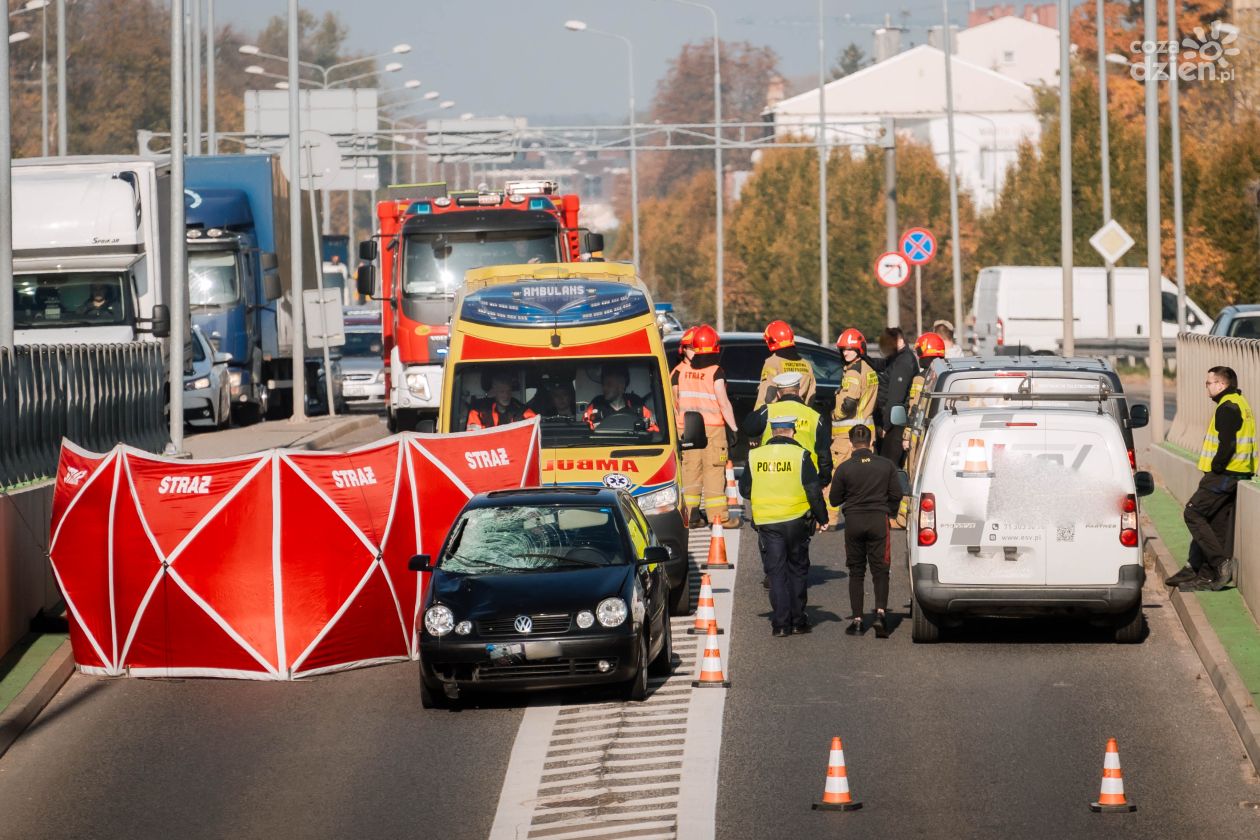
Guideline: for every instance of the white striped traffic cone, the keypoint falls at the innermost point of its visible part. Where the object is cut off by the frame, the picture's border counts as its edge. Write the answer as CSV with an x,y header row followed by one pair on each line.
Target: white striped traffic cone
x,y
717,550
1111,799
705,612
836,796
711,675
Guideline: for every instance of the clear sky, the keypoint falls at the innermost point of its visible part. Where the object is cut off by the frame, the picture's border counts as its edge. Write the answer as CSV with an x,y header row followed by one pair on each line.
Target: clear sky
x,y
514,56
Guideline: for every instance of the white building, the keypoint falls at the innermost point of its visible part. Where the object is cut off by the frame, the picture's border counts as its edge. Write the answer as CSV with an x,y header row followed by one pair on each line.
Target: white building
x,y
1018,48
993,113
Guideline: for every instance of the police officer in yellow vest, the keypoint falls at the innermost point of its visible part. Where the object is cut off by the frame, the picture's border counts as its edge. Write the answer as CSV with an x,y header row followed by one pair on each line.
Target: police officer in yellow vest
x,y
1228,457
811,432
785,495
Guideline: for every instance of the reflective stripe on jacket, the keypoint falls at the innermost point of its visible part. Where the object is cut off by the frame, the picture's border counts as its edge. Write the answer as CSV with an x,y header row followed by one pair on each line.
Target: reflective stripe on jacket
x,y
697,392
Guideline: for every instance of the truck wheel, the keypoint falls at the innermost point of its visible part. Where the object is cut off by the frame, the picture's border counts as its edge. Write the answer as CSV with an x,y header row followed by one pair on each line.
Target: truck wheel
x,y
1131,628
923,627
391,422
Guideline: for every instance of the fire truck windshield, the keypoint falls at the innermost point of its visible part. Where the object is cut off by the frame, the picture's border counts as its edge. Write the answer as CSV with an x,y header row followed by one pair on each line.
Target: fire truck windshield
x,y
434,264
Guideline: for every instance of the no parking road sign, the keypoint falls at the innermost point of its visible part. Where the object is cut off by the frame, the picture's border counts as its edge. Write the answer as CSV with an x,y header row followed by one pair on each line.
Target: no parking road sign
x,y
918,245
892,269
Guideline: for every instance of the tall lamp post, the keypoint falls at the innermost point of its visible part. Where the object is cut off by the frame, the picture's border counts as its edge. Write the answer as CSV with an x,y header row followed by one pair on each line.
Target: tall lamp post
x,y
1155,303
61,77
325,72
1065,175
179,251
580,26
1104,143
295,220
955,246
719,290
823,284
6,197
212,134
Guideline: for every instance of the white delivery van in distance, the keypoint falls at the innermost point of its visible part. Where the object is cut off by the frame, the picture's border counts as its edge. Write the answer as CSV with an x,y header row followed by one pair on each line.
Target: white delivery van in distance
x,y
1026,511
1022,305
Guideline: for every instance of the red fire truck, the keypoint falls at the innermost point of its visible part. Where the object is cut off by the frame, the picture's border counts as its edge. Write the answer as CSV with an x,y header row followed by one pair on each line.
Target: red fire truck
x,y
423,247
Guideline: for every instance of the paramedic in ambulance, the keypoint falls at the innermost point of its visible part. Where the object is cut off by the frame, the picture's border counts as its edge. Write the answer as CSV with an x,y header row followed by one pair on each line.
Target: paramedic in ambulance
x,y
616,400
499,407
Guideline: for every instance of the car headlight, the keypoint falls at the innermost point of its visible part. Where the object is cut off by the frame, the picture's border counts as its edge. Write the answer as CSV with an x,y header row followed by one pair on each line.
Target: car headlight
x,y
463,628
380,376
197,384
585,619
439,620
418,385
610,612
658,500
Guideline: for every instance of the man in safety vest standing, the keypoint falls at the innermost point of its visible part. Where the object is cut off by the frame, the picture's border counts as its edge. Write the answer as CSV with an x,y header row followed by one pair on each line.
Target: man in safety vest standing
x,y
700,386
784,358
855,401
1228,457
785,496
811,432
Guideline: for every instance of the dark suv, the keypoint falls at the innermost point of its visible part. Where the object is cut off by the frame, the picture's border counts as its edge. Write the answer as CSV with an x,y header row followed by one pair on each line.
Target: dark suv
x,y
744,353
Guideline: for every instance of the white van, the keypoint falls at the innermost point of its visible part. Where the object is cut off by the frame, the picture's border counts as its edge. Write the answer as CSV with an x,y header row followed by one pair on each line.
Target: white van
x,y
1023,305
1026,511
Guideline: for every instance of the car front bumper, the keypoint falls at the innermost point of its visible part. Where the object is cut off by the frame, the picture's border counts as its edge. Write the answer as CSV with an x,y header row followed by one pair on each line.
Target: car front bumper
x,y
956,599
198,408
550,662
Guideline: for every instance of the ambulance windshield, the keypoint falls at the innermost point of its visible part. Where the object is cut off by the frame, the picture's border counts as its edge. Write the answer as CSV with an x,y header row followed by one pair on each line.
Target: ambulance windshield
x,y
434,263
582,403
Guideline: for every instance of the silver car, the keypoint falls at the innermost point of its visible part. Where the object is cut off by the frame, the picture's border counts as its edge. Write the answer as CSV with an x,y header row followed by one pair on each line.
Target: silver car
x,y
207,389
363,365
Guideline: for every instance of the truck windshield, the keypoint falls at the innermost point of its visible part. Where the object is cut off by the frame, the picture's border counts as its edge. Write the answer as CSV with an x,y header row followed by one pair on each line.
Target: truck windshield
x,y
434,264
76,299
212,279
582,403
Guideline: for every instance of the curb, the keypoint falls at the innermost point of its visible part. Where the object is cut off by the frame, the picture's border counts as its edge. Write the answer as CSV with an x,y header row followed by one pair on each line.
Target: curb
x,y
47,681
1216,661
335,431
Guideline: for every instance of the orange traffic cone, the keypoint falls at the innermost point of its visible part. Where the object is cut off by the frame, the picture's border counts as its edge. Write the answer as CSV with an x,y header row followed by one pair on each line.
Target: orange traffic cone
x,y
976,462
836,796
717,550
1111,800
732,492
711,665
705,613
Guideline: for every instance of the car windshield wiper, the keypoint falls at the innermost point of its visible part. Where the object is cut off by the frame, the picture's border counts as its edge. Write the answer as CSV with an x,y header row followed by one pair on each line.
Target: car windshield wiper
x,y
564,559
478,560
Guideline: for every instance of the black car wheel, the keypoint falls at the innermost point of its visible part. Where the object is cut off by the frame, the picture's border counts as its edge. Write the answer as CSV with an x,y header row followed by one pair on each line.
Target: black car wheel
x,y
636,690
663,664
431,697
680,597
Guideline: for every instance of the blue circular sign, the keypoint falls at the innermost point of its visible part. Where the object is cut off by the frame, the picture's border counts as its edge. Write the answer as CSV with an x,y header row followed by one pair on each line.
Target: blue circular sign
x,y
918,245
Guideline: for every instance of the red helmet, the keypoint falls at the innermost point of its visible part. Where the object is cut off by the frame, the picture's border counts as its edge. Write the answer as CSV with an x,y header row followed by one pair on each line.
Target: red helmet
x,y
851,339
705,340
779,335
688,335
930,346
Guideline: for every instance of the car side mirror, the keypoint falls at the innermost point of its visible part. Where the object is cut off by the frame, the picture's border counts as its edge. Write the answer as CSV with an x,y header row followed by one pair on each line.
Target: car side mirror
x,y
420,563
222,358
897,415
161,321
1139,415
366,284
1143,483
368,250
654,554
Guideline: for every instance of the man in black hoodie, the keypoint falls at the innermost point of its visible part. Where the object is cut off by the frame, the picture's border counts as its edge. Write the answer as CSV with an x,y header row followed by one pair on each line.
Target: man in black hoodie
x,y
900,367
1228,456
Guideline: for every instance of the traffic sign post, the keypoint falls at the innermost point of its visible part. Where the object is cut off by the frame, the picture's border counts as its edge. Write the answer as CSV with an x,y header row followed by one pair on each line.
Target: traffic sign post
x,y
1112,242
918,246
892,270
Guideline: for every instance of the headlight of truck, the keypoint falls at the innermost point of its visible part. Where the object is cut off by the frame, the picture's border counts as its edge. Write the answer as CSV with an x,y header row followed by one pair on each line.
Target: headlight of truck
x,y
611,612
197,384
439,620
234,377
658,500
418,385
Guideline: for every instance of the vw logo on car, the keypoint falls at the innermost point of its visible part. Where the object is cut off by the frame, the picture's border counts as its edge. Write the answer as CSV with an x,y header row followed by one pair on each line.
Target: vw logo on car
x,y
617,481
523,624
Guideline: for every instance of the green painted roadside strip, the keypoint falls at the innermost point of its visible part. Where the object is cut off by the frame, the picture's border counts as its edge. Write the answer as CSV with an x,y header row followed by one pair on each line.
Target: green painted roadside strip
x,y
1226,611
19,665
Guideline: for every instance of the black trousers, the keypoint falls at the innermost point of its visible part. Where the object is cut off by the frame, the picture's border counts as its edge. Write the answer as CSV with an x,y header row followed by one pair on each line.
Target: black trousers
x,y
890,446
866,544
1209,517
785,559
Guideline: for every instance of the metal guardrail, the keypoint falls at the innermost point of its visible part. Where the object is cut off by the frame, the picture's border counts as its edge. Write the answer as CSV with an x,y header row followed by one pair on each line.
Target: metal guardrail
x,y
96,395
1195,354
1138,347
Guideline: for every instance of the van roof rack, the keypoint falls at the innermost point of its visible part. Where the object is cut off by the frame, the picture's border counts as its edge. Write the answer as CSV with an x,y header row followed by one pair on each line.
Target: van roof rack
x,y
1025,393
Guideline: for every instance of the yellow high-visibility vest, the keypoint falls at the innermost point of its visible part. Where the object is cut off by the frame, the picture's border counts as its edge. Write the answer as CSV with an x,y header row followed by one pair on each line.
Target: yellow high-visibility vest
x,y
807,421
777,492
1244,460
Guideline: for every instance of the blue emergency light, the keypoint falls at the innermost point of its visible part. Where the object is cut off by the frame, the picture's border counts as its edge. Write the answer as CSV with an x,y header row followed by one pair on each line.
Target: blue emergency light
x,y
541,204
420,208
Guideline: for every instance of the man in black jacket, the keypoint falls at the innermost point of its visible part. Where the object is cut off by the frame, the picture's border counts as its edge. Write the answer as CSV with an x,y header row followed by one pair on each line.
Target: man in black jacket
x,y
900,367
1227,457
867,489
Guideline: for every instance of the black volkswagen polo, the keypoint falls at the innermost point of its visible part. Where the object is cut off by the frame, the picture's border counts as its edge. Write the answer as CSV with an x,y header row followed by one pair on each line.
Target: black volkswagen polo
x,y
545,588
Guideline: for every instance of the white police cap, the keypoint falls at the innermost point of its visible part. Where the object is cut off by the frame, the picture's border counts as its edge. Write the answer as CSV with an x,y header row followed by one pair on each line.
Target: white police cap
x,y
783,421
787,380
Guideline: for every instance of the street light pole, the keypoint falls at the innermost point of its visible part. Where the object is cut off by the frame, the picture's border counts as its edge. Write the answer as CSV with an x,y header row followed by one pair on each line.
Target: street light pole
x,y
824,303
1155,303
212,135
61,78
179,251
1065,174
955,246
1104,137
194,45
1174,125
43,80
6,195
890,212
295,221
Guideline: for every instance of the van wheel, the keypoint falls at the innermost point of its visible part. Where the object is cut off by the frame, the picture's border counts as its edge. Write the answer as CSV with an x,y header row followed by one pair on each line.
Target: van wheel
x,y
1131,629
924,628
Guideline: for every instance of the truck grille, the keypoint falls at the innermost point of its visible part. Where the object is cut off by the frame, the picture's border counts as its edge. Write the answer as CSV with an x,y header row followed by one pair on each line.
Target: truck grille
x,y
546,668
503,628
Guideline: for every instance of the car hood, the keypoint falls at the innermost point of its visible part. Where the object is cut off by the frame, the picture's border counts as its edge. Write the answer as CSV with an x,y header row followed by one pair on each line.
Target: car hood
x,y
475,597
361,364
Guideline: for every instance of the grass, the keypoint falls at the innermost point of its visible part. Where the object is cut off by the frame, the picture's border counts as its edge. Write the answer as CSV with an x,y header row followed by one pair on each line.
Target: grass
x,y
19,666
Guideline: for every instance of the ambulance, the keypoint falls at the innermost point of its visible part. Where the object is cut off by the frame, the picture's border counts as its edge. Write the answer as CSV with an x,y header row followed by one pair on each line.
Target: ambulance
x,y
567,342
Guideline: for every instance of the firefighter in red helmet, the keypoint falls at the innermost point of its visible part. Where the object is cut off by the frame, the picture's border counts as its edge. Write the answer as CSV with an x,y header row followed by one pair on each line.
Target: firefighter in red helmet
x,y
783,358
855,401
700,386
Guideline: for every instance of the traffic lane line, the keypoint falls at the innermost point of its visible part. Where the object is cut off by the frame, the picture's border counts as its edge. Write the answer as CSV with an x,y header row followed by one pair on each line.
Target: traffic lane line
x,y
611,769
996,734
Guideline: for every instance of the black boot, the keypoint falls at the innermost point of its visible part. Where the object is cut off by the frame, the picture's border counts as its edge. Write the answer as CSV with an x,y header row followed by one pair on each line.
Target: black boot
x,y
1223,577
1185,575
855,626
881,625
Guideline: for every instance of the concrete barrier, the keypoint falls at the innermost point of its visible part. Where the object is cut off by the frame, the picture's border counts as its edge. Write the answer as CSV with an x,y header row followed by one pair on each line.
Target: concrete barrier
x,y
27,585
1180,475
1195,354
